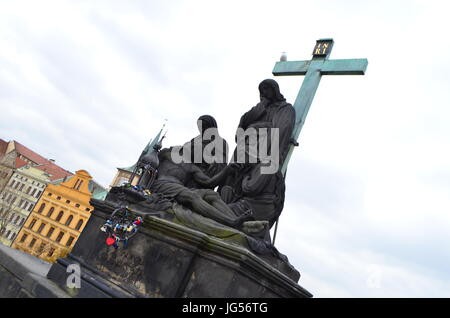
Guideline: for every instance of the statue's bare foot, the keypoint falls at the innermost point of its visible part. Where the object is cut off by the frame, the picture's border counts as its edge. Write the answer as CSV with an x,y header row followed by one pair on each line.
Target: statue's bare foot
x,y
254,227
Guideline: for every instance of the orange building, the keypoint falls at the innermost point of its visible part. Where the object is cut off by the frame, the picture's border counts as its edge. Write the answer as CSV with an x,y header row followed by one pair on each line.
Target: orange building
x,y
58,217
24,174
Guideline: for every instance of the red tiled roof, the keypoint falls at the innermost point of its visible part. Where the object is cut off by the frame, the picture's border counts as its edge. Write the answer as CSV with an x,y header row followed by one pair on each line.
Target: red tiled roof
x,y
55,171
28,153
20,163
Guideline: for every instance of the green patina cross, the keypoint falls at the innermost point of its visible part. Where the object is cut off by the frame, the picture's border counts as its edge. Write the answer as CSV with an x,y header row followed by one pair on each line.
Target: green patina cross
x,y
313,71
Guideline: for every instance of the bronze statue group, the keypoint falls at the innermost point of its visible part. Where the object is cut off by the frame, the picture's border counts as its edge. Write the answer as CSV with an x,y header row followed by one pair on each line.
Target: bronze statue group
x,y
236,194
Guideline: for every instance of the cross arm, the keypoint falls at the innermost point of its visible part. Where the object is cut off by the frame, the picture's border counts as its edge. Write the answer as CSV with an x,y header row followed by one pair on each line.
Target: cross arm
x,y
328,67
291,68
344,67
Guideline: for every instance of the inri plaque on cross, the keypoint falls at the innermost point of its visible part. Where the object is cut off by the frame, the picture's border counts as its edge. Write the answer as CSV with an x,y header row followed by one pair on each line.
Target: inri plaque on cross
x,y
313,70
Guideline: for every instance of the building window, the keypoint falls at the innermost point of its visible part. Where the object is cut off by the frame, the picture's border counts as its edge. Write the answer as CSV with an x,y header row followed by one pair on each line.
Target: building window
x,y
28,190
22,221
49,194
42,247
69,220
50,253
69,241
58,198
38,194
30,207
12,183
17,185
41,227
7,234
67,201
13,236
16,221
50,232
21,203
77,205
32,193
60,236
33,222
25,205
21,187
50,212
79,224
32,242
41,208
78,184
87,209
24,237
60,215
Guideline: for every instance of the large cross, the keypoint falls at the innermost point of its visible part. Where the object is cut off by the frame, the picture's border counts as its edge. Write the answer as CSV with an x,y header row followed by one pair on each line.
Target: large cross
x,y
313,70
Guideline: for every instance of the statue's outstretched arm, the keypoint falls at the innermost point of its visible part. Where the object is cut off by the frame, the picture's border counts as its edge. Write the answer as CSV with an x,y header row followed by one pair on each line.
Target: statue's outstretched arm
x,y
201,178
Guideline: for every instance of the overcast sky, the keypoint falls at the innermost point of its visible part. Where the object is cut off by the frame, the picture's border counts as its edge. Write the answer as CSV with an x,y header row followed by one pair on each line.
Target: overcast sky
x,y
88,83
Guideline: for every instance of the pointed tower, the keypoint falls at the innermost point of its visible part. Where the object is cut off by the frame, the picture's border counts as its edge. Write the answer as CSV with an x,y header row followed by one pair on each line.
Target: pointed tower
x,y
124,174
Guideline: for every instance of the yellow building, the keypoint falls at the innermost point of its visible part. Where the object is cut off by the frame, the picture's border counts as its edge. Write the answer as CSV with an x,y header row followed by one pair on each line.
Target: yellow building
x,y
58,218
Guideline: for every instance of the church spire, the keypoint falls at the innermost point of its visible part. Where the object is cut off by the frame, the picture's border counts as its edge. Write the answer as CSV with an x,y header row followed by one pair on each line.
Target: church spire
x,y
149,147
154,141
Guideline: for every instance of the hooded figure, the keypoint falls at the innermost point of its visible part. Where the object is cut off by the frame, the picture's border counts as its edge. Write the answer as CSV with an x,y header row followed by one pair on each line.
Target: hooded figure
x,y
274,109
211,146
248,188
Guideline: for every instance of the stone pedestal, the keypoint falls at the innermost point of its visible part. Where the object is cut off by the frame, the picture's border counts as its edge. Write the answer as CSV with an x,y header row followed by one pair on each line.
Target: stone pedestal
x,y
165,259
